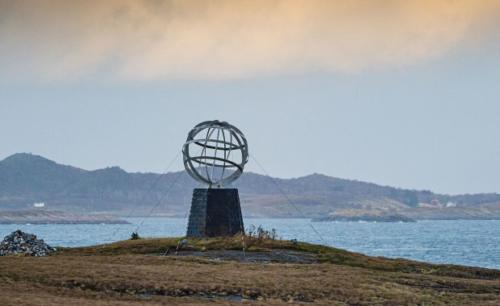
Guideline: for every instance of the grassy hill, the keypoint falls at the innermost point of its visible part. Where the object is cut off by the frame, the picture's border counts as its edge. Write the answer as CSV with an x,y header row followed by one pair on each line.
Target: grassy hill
x,y
142,272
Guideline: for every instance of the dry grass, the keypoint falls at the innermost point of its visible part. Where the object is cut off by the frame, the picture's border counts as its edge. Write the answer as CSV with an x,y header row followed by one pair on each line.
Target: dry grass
x,y
129,273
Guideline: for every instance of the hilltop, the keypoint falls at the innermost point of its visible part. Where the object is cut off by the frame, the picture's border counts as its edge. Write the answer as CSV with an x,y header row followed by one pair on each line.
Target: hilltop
x,y
158,272
26,179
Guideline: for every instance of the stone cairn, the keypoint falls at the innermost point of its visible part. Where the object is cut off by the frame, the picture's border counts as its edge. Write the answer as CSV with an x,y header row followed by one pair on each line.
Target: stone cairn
x,y
20,243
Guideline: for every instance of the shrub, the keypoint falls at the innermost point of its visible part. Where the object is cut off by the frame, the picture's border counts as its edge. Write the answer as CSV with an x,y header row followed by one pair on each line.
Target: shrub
x,y
135,236
261,233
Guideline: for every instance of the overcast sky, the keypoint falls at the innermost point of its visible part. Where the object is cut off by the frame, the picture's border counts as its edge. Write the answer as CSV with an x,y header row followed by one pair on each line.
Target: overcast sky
x,y
397,93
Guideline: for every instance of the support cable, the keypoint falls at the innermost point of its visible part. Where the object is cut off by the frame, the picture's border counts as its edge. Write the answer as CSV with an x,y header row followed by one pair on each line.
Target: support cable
x,y
148,192
287,198
170,187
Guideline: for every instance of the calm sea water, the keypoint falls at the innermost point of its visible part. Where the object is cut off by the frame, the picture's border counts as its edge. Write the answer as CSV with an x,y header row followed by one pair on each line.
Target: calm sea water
x,y
473,243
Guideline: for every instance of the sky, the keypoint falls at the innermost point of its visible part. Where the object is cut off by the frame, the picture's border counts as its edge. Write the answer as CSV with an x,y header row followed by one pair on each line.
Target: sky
x,y
400,93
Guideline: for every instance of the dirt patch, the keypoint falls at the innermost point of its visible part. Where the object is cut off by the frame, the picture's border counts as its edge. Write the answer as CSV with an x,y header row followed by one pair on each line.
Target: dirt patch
x,y
272,256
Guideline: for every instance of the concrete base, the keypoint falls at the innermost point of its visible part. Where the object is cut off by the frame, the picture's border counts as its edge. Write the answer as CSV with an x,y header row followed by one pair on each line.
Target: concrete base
x,y
215,212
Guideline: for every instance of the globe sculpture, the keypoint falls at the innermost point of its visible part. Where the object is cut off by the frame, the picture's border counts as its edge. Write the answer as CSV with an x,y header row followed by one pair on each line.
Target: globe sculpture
x,y
215,154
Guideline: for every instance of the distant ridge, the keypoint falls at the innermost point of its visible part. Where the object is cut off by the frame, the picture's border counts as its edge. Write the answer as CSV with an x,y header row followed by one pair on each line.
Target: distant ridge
x,y
27,178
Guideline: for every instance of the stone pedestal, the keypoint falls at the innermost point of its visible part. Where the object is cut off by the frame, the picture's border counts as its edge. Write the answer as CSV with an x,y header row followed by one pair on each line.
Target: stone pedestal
x,y
215,212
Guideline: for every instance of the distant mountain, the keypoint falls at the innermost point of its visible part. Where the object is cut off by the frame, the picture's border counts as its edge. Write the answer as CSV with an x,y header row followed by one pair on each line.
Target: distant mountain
x,y
26,179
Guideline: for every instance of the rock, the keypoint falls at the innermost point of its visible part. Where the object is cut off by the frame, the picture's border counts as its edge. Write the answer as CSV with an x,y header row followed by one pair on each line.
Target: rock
x,y
20,243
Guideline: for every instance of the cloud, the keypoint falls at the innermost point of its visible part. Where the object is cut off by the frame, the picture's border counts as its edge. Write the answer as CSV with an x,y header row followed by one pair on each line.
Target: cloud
x,y
190,39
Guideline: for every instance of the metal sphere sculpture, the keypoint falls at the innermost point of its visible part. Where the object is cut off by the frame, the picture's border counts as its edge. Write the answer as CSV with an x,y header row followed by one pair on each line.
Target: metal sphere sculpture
x,y
215,153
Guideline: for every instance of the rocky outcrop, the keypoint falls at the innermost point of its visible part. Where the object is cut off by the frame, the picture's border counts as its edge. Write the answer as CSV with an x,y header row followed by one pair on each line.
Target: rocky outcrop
x,y
21,243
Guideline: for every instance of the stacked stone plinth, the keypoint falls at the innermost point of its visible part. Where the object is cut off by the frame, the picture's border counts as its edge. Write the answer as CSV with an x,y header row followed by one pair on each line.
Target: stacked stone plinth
x,y
215,212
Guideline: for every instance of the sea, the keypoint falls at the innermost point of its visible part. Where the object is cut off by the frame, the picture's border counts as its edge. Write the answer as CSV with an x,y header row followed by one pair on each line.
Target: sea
x,y
461,242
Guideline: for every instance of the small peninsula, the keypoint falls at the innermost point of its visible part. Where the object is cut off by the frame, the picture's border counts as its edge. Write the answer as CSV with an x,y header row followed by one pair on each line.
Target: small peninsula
x,y
355,215
55,217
